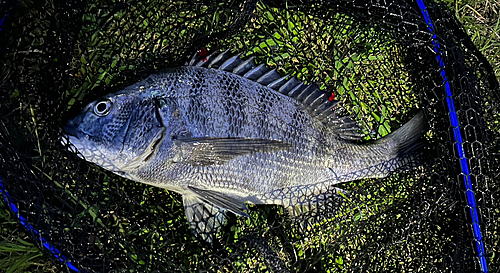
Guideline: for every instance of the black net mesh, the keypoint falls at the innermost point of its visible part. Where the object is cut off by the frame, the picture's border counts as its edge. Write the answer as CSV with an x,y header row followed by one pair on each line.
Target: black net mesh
x,y
377,57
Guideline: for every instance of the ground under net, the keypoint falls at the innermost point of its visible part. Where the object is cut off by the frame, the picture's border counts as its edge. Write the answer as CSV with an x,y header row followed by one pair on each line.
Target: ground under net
x,y
383,60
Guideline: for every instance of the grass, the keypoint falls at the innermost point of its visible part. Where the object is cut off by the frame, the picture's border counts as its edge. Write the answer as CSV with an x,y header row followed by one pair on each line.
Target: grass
x,y
481,19
17,254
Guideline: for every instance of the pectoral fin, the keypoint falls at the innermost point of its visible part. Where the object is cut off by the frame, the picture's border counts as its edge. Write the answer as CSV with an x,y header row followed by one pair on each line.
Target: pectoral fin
x,y
209,151
205,219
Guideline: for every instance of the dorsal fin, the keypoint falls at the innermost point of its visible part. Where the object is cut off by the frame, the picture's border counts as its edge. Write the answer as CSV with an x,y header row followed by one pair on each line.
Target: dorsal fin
x,y
245,66
198,60
256,72
313,100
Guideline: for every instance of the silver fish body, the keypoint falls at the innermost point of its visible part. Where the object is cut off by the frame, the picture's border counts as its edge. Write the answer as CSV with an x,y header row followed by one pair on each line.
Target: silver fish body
x,y
226,132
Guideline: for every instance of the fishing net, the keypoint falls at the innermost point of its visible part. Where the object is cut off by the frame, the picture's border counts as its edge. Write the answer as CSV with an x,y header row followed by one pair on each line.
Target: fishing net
x,y
383,60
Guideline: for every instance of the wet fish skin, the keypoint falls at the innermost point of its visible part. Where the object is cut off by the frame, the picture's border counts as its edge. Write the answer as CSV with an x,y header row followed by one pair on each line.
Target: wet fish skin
x,y
222,140
107,141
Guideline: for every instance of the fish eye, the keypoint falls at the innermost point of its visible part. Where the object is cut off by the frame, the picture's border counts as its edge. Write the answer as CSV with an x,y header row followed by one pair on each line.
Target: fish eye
x,y
102,108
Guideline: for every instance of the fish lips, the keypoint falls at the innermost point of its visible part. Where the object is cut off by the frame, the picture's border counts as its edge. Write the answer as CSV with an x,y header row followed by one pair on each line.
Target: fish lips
x,y
74,138
72,131
71,128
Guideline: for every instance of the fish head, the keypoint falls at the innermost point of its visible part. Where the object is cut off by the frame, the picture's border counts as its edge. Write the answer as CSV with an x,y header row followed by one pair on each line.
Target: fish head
x,y
118,132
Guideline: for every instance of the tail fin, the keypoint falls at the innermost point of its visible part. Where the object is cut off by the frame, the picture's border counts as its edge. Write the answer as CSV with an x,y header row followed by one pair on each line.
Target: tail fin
x,y
380,158
400,146
406,139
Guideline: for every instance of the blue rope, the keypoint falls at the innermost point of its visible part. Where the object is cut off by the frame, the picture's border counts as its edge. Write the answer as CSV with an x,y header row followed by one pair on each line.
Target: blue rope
x,y
7,13
471,200
29,227
8,200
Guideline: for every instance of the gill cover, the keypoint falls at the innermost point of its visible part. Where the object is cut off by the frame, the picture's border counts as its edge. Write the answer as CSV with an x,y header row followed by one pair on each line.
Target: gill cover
x,y
144,133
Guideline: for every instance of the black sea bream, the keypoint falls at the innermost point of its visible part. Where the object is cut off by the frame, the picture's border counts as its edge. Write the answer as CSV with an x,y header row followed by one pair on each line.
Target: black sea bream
x,y
223,132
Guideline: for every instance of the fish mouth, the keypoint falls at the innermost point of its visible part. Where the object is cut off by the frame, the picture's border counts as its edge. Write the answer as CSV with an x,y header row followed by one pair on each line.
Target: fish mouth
x,y
72,131
72,139
71,128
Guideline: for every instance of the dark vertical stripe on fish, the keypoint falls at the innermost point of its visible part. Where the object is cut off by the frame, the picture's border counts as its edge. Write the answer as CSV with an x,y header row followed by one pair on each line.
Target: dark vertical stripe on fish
x,y
233,107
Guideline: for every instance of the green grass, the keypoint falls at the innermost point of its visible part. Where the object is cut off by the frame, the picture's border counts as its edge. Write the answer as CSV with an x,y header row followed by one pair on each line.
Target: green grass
x,y
482,22
481,19
17,254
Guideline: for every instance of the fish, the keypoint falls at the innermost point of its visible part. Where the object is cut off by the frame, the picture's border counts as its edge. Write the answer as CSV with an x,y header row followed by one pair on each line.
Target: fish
x,y
225,132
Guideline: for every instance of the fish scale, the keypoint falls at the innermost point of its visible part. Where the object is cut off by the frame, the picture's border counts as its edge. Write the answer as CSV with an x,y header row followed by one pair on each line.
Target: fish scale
x,y
224,132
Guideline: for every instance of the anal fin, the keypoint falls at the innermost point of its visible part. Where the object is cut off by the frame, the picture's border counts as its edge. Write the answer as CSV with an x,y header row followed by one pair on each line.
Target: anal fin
x,y
204,218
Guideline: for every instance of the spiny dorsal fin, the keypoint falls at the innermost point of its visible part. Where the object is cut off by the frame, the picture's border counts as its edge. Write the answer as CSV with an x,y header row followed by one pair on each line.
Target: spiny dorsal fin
x,y
313,100
217,60
255,72
198,60
245,66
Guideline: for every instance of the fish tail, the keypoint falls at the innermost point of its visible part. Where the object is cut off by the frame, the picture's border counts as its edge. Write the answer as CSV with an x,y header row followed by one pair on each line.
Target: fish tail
x,y
408,138
401,145
380,158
